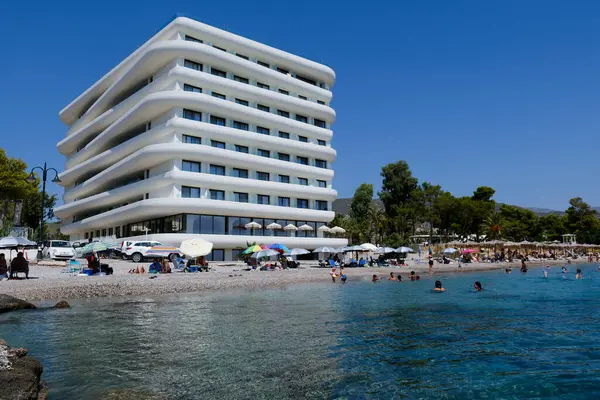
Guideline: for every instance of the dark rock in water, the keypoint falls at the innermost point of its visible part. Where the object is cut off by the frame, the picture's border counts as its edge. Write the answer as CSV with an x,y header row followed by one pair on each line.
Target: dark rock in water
x,y
131,394
62,304
20,375
9,303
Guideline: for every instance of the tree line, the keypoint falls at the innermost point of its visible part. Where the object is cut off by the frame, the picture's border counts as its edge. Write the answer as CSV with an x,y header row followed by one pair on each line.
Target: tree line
x,y
410,207
20,200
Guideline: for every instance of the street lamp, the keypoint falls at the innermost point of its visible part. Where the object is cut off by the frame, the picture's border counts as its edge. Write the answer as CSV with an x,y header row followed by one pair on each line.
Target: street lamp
x,y
31,179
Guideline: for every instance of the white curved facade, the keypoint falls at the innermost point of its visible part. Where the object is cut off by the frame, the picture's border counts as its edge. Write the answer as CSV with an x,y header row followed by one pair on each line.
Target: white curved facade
x,y
198,133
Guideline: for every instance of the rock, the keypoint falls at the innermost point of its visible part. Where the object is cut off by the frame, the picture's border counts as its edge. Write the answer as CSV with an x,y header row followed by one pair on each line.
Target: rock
x,y
20,375
62,304
9,303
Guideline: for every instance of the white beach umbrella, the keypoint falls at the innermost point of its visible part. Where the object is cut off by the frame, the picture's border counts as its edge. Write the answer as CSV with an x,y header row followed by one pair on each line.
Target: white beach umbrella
x,y
265,253
403,249
449,250
274,226
298,251
24,241
196,247
325,249
290,227
324,228
369,246
306,227
253,225
384,250
9,241
338,229
354,248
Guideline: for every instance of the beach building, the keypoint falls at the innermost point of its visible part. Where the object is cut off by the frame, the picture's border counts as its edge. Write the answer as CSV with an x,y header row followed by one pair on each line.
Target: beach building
x,y
201,132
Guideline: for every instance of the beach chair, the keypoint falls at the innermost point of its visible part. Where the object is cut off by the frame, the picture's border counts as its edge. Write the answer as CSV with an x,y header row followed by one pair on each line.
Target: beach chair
x,y
72,267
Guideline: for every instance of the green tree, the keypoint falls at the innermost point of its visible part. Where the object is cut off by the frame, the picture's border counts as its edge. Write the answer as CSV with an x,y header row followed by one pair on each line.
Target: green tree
x,y
359,209
378,221
519,223
493,226
582,220
13,185
483,193
444,209
552,227
397,186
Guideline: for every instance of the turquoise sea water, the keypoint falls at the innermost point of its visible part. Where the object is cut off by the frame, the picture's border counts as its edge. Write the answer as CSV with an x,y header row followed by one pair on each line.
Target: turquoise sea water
x,y
523,337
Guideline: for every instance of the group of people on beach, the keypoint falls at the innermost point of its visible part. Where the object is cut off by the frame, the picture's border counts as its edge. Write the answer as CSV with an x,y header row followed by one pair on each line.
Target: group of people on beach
x,y
18,264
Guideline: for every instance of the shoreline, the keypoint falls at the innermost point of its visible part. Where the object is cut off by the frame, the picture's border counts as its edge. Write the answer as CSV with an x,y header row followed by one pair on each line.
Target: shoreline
x,y
49,283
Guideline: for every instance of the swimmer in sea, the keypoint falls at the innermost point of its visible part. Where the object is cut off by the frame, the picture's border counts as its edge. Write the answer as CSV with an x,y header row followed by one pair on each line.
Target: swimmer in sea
x,y
375,278
546,271
399,278
412,276
392,277
438,287
564,270
343,278
579,274
477,286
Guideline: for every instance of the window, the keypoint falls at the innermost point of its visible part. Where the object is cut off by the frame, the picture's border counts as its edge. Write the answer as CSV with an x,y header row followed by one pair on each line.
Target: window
x,y
219,48
190,88
263,199
321,142
242,102
321,205
262,85
219,96
110,231
192,65
263,130
193,115
303,139
283,71
240,79
303,79
240,173
240,197
190,192
118,231
241,149
216,255
284,92
240,125
263,108
217,144
218,72
103,233
301,203
284,135
284,202
242,56
320,123
321,184
264,64
190,166
302,160
321,102
191,139
264,153
320,163
303,181
284,178
301,118
217,120
284,157
262,176
216,194
217,169
283,113
192,39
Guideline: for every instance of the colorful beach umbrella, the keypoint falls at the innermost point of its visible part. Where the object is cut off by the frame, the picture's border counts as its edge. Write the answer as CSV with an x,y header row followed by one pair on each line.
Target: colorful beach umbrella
x,y
467,251
252,249
279,247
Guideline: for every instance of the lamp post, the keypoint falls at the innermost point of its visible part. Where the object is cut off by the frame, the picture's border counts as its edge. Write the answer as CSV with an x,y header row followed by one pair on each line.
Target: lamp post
x,y
31,179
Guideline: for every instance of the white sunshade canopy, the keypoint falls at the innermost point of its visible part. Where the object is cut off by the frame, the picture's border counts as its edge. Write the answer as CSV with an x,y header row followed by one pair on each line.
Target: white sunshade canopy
x,y
9,241
253,225
265,253
306,227
355,248
324,228
338,229
384,250
325,249
274,226
290,227
449,250
403,249
196,247
369,246
298,251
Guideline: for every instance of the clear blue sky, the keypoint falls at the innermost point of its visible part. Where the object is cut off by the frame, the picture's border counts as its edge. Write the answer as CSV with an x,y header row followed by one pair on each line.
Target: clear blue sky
x,y
498,93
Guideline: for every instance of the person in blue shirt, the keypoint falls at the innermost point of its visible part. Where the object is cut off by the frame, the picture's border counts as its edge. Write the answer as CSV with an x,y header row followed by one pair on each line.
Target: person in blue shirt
x,y
156,266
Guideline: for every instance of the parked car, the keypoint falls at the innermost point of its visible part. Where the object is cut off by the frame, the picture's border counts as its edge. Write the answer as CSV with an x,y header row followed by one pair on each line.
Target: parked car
x,y
137,250
58,249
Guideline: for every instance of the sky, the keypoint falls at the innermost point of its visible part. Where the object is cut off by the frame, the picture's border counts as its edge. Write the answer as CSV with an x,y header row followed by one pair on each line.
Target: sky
x,y
498,93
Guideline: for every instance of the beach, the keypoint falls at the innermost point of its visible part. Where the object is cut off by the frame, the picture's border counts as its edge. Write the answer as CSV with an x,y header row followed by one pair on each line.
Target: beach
x,y
50,283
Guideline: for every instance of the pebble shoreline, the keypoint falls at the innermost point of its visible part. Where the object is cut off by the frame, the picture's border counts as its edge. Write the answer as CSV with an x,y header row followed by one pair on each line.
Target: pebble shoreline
x,y
49,283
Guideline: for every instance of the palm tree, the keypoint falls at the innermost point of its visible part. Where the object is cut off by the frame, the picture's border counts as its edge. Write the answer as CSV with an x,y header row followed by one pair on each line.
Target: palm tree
x,y
378,220
493,225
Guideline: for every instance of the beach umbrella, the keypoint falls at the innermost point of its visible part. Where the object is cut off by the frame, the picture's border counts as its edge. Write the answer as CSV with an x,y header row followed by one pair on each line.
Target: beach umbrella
x,y
290,227
369,246
384,250
252,249
467,251
95,246
9,241
273,226
298,251
306,227
279,247
253,225
25,242
195,247
162,251
338,229
324,228
325,249
449,250
354,248
404,249
265,253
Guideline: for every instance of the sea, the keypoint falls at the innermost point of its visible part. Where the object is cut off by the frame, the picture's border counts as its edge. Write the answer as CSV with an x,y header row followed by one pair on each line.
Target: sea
x,y
523,337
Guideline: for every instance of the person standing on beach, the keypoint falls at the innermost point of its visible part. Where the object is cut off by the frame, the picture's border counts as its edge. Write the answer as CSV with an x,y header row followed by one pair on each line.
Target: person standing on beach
x,y
430,264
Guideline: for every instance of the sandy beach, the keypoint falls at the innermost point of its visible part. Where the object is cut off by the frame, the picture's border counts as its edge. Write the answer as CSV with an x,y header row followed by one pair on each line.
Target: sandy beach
x,y
50,283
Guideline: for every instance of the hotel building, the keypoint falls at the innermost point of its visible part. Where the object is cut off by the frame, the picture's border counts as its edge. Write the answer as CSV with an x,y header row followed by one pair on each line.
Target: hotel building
x,y
198,133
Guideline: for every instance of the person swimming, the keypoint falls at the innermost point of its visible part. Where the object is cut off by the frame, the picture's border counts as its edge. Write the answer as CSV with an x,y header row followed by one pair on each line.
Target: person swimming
x,y
399,278
412,276
579,274
343,278
564,270
477,286
392,277
438,287
523,266
375,278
